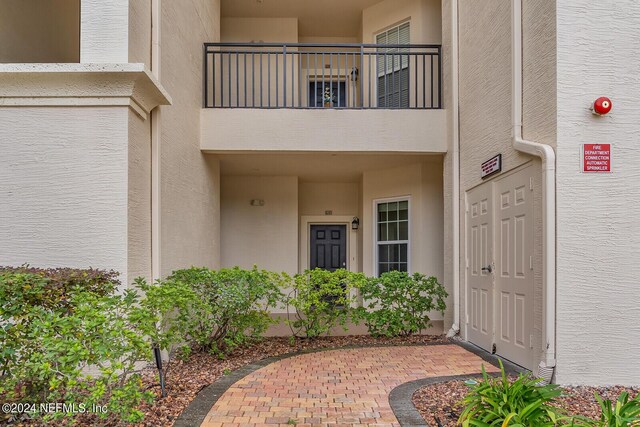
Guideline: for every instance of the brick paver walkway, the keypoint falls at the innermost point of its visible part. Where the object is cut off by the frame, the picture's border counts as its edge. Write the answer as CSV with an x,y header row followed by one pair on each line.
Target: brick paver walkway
x,y
335,388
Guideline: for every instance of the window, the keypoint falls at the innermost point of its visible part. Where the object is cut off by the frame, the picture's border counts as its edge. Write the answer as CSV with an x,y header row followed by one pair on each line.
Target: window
x,y
393,68
392,239
338,91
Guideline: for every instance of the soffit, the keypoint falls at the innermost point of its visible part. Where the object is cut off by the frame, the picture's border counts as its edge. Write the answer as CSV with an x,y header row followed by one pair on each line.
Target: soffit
x,y
326,18
316,167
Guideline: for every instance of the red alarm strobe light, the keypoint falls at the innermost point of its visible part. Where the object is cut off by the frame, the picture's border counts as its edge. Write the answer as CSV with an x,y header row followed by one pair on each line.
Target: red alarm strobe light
x,y
602,106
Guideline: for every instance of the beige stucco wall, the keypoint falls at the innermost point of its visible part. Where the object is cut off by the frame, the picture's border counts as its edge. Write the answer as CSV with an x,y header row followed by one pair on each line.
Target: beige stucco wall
x,y
413,131
259,30
598,233
140,32
189,181
104,31
422,182
139,197
424,15
63,187
485,105
139,151
266,236
447,164
539,123
339,197
39,31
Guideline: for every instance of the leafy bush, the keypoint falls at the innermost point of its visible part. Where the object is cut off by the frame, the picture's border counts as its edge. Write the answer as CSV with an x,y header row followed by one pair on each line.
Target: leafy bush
x,y
213,311
500,402
322,299
54,286
61,342
399,304
624,413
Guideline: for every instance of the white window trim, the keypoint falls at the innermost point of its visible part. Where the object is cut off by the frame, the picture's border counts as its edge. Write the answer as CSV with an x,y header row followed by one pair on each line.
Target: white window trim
x,y
406,198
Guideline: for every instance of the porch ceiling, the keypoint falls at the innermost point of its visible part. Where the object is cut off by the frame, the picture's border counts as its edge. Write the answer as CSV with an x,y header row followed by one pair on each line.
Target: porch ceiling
x,y
316,167
326,18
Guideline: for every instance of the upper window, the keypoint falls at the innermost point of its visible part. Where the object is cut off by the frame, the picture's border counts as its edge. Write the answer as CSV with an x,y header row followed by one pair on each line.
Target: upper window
x,y
393,68
392,240
335,91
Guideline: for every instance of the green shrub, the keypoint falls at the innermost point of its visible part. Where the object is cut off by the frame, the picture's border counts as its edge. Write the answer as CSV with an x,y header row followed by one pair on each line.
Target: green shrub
x,y
214,311
52,288
322,299
399,304
62,343
500,402
625,412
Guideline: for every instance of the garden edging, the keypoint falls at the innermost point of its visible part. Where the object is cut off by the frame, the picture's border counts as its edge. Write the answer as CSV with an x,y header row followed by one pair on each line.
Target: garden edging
x,y
200,406
400,397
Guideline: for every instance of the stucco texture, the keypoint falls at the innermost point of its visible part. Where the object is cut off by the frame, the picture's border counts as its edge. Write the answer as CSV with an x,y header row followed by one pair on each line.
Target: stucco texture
x,y
63,187
598,232
266,236
189,180
422,183
485,85
39,31
104,31
139,198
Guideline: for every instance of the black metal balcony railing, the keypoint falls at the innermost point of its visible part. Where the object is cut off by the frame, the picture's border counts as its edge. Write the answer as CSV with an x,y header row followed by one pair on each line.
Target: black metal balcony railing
x,y
345,76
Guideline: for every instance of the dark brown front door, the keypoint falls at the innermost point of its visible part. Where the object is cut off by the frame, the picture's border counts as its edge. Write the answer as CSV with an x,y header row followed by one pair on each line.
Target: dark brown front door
x,y
328,247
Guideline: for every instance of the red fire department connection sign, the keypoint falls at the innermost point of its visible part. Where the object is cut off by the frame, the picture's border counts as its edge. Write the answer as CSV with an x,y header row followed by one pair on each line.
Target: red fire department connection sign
x,y
596,158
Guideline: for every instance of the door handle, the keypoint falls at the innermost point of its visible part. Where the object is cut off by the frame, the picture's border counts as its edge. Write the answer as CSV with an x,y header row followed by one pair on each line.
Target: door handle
x,y
488,268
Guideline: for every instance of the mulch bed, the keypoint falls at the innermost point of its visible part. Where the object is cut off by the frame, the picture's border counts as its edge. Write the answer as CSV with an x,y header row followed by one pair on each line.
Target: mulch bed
x,y
184,379
440,401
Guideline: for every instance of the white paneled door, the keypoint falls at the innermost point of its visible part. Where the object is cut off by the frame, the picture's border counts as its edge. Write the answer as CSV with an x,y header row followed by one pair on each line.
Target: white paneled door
x,y
514,266
479,266
500,266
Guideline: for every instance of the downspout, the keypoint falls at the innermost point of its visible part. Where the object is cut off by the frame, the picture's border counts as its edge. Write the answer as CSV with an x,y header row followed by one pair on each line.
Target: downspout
x,y
155,145
455,328
548,157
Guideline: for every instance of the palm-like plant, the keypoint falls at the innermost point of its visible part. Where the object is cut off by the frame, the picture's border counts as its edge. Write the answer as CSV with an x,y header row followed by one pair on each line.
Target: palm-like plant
x,y
624,413
501,402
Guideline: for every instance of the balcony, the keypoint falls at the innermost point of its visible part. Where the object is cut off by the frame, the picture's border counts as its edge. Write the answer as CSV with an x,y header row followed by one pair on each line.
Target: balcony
x,y
355,76
323,97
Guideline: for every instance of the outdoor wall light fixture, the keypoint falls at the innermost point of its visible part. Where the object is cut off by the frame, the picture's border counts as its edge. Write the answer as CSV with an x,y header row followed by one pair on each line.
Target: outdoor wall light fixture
x,y
355,223
257,202
354,74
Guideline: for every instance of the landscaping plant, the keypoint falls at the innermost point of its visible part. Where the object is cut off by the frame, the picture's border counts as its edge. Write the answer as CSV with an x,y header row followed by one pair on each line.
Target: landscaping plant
x,y
500,402
322,299
625,412
397,303
218,310
66,336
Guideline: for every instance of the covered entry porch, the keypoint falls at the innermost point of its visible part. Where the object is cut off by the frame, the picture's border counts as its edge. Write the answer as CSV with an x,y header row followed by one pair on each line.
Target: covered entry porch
x,y
367,213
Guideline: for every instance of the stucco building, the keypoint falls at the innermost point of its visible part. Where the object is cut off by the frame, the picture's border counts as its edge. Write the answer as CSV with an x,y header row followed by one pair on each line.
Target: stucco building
x,y
150,135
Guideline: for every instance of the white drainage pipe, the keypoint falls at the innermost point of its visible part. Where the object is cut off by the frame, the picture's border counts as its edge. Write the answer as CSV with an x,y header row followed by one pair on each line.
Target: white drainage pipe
x,y
548,157
455,170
